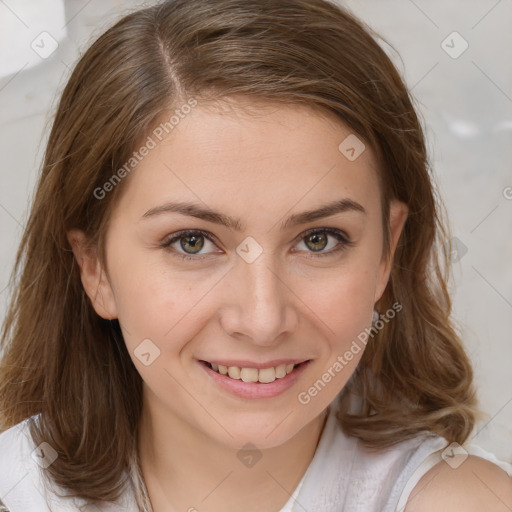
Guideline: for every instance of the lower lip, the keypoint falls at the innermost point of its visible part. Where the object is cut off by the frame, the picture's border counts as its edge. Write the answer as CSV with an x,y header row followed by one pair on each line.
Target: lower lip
x,y
255,389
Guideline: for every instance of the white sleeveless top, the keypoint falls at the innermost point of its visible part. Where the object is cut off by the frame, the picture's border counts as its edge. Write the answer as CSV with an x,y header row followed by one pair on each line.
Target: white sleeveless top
x,y
342,476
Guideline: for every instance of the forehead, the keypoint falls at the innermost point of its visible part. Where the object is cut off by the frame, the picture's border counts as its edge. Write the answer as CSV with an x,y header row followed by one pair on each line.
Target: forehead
x,y
254,154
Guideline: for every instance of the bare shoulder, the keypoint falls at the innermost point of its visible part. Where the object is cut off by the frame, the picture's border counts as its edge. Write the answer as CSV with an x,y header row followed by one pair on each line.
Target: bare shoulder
x,y
475,485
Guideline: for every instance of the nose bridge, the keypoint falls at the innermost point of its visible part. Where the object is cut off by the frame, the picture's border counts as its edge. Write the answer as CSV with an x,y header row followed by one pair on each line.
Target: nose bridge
x,y
261,307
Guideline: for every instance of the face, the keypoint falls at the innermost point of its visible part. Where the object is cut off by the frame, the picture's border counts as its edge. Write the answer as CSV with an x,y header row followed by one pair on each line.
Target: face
x,y
258,286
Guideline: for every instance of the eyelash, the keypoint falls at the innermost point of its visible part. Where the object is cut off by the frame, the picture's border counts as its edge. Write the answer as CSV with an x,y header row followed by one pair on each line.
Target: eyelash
x,y
336,233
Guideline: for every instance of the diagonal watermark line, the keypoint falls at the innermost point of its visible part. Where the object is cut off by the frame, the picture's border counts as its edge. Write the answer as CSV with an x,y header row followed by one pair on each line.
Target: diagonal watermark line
x,y
492,81
123,327
494,416
76,14
279,424
484,218
493,287
485,15
13,76
220,279
286,491
17,483
198,402
10,214
421,79
424,13
69,68
217,486
302,197
301,300
489,488
418,492
168,168
3,3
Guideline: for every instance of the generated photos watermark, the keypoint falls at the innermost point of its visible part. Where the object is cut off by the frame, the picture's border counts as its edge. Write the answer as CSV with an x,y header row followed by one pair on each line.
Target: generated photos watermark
x,y
157,135
304,397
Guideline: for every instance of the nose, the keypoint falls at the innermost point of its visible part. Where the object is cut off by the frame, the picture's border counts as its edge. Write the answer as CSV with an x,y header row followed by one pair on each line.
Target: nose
x,y
260,306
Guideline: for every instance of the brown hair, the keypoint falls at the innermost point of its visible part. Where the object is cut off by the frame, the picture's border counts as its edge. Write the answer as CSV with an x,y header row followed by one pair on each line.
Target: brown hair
x,y
65,363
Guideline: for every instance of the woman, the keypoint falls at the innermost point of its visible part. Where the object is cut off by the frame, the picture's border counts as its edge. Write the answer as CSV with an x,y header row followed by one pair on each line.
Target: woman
x,y
231,295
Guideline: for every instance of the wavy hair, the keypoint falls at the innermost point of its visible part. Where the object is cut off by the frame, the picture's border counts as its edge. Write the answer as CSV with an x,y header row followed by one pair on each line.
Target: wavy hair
x,y
64,363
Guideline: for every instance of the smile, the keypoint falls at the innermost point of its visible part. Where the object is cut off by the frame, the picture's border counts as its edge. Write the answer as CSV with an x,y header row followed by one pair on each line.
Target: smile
x,y
249,382
262,375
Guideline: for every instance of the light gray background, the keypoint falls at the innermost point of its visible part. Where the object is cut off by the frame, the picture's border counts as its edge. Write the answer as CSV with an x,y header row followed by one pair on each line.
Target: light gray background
x,y
465,102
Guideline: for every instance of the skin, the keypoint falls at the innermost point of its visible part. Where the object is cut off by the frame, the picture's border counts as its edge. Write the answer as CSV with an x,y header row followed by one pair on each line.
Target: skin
x,y
475,485
260,168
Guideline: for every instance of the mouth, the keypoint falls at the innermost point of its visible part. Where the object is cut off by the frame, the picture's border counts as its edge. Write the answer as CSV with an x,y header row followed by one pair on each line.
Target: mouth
x,y
263,375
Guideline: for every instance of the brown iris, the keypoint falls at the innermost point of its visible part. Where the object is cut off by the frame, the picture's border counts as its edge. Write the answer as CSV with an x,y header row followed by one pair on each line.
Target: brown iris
x,y
319,241
194,241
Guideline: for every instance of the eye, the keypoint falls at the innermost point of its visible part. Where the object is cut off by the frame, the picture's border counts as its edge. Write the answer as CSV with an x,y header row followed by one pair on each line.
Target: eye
x,y
190,242
317,239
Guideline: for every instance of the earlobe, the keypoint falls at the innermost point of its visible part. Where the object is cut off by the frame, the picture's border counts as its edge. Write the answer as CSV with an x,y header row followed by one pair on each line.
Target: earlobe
x,y
92,275
398,214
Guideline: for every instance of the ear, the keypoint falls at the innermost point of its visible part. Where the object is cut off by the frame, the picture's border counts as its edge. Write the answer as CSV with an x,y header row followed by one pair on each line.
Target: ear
x,y
93,276
397,216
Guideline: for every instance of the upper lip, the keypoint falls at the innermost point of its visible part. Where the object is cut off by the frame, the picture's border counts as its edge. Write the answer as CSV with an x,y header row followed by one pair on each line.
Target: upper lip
x,y
251,364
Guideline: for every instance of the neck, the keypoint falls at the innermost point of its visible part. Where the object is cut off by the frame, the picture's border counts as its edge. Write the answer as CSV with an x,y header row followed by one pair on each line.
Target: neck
x,y
188,469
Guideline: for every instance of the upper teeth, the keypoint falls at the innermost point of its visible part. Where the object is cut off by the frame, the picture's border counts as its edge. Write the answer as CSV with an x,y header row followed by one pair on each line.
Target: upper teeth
x,y
264,375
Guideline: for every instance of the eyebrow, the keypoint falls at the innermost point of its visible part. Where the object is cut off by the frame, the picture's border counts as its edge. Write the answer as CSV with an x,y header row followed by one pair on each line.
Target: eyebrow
x,y
200,212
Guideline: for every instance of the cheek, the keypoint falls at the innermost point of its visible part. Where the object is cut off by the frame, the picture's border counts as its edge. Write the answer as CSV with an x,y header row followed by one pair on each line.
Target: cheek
x,y
341,308
343,295
151,300
155,306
